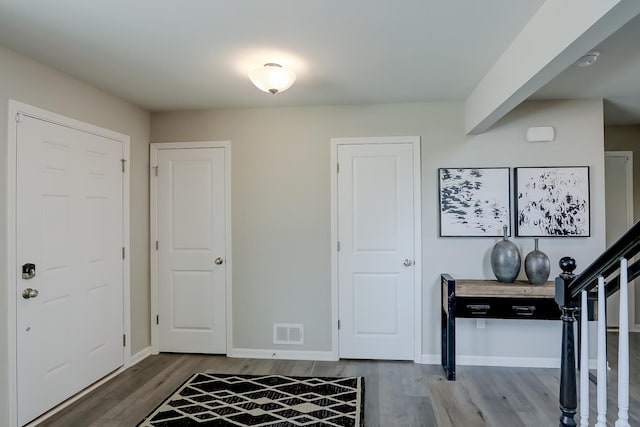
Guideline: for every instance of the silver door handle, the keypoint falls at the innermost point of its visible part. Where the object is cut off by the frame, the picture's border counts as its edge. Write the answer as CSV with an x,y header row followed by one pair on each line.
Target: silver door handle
x,y
407,263
218,261
29,293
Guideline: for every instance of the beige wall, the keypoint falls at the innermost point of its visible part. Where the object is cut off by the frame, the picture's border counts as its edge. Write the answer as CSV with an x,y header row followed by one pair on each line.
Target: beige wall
x,y
26,81
281,218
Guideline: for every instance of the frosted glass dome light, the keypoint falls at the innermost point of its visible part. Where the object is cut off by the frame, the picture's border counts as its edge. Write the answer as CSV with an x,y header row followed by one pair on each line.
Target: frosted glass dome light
x,y
273,78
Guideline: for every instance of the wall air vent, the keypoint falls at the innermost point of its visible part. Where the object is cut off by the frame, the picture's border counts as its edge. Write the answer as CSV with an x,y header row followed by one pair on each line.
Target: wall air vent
x,y
288,333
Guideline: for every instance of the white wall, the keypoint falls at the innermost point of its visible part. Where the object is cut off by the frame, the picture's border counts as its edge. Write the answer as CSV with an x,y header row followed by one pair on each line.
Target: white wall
x,y
579,142
281,222
26,81
280,201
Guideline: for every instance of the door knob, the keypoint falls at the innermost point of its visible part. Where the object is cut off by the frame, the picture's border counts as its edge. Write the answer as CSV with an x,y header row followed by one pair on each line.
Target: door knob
x,y
218,261
407,263
29,293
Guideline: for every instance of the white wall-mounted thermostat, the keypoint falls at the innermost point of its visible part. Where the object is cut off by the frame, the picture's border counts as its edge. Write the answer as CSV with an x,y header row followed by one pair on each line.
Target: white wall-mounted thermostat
x,y
541,134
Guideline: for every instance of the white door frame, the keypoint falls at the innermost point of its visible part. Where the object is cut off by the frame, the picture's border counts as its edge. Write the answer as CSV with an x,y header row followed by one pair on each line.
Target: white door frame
x,y
417,228
634,326
15,109
153,223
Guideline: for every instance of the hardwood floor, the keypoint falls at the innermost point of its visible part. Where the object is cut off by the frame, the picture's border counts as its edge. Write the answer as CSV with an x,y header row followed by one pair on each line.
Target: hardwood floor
x,y
396,393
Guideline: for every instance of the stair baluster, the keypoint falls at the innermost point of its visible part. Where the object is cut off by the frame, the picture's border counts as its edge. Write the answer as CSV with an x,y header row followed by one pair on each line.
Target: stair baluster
x,y
584,361
623,349
602,355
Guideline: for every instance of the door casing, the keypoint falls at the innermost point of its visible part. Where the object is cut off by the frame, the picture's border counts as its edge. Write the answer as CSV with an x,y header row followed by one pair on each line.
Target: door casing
x,y
417,308
15,109
153,224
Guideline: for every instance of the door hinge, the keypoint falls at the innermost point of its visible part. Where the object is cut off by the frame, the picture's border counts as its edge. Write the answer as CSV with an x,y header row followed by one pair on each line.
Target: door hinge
x,y
338,168
155,170
123,252
338,246
338,324
157,319
156,245
123,162
18,115
124,340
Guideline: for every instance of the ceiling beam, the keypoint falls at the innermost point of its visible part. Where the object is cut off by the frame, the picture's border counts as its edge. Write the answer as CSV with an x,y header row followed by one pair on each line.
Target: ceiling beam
x,y
555,37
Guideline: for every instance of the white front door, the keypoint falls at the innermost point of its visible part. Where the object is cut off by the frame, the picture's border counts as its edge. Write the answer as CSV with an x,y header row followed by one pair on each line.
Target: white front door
x,y
70,227
375,187
191,228
618,168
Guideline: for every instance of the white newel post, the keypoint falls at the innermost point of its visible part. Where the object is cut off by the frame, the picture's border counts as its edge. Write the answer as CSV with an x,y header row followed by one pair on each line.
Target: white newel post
x,y
623,350
584,361
602,356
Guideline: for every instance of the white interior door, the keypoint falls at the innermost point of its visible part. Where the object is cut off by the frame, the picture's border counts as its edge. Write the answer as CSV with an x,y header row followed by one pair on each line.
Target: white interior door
x,y
619,217
191,276
376,267
70,226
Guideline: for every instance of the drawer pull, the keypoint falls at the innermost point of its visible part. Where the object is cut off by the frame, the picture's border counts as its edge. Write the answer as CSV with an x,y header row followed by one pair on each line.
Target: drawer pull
x,y
478,308
524,310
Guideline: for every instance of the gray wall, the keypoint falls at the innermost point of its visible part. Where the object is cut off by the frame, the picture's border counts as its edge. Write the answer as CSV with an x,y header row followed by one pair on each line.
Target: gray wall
x,y
26,81
281,218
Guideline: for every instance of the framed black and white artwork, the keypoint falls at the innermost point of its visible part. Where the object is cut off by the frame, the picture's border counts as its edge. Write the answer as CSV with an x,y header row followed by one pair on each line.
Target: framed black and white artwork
x,y
474,201
552,201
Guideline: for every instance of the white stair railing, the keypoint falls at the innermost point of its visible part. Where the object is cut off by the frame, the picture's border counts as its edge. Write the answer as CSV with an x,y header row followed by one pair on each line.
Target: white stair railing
x,y
623,355
602,355
584,362
623,349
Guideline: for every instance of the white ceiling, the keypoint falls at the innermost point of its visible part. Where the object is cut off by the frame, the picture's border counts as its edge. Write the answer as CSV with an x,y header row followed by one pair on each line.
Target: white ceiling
x,y
189,54
168,54
614,77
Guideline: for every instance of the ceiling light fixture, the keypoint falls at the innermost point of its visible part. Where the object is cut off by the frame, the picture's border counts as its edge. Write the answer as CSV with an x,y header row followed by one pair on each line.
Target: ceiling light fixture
x,y
273,78
588,59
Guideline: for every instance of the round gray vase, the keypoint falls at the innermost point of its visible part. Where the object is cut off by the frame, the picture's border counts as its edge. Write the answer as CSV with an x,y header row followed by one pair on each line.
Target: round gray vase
x,y
537,266
505,259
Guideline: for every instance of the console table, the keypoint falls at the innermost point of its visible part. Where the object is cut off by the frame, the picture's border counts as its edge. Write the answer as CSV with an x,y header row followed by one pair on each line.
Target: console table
x,y
489,299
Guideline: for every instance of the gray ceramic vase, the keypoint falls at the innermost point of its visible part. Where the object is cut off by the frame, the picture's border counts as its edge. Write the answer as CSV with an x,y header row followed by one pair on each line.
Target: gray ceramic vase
x,y
505,259
537,266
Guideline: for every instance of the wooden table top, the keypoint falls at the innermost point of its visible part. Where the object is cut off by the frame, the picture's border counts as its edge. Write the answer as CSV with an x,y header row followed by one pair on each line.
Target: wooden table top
x,y
493,288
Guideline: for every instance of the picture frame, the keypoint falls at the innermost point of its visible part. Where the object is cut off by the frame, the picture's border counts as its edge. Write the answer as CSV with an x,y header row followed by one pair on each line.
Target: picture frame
x,y
552,201
474,202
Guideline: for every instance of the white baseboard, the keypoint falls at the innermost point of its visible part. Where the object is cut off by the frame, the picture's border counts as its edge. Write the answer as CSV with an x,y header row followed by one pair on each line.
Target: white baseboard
x,y
508,362
251,353
632,328
140,356
511,362
430,359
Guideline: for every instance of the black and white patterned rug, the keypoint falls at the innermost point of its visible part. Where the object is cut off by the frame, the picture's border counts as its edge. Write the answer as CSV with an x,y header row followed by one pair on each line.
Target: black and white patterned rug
x,y
262,400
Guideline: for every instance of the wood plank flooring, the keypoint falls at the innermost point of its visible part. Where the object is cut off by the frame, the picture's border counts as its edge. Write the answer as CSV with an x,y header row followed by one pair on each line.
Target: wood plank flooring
x,y
400,394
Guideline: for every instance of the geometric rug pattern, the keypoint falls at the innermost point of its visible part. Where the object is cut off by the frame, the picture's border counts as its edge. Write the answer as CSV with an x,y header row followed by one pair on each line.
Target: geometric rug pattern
x,y
262,401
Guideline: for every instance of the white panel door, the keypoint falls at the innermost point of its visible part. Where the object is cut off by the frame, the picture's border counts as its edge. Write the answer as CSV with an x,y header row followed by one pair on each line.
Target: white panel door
x,y
70,225
375,259
191,250
619,216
